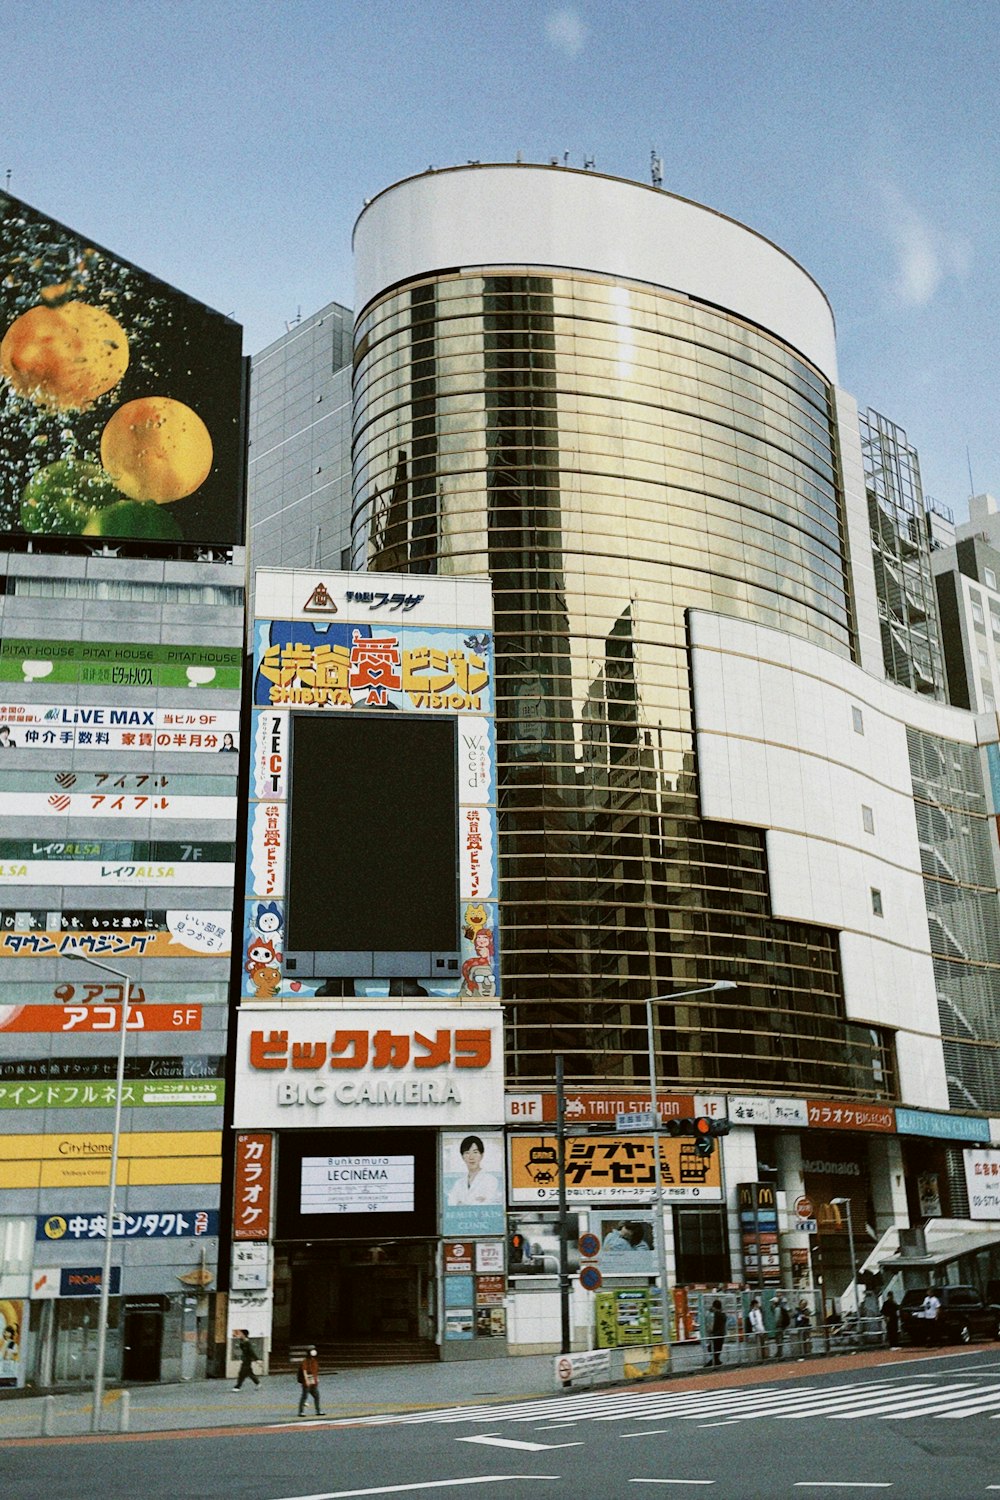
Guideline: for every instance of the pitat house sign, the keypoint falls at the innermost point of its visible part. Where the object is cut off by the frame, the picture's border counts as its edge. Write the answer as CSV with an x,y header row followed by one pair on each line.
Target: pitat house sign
x,y
306,1066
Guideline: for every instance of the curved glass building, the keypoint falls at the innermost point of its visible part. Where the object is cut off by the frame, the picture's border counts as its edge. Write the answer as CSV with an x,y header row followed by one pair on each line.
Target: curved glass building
x,y
621,406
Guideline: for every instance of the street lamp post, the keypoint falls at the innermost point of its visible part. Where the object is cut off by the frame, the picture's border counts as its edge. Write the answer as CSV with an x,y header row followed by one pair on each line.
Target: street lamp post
x,y
661,1238
846,1204
102,1317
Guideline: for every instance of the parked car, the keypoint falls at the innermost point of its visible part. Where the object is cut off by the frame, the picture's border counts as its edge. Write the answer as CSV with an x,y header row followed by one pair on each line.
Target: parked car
x,y
964,1316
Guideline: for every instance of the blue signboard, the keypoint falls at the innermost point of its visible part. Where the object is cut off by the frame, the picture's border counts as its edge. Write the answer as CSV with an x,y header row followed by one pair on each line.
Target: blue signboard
x,y
188,1223
943,1127
459,1298
85,1281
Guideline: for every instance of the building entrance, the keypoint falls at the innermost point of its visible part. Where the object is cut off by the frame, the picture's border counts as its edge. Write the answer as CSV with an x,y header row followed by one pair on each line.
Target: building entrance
x,y
143,1339
356,1300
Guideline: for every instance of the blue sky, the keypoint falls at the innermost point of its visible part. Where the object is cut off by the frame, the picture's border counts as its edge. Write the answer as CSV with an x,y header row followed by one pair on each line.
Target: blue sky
x,y
229,147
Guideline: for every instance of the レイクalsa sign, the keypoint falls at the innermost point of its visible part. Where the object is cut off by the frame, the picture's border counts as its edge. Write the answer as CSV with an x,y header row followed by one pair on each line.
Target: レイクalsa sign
x,y
323,1065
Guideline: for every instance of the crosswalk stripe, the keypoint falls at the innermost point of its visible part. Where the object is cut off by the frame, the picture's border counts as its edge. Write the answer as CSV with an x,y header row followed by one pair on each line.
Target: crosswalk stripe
x,y
846,1403
902,1407
974,1404
812,1399
887,1399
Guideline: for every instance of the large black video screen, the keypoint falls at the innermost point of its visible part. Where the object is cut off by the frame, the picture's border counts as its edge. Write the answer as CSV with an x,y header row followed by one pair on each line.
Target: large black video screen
x,y
373,834
300,1150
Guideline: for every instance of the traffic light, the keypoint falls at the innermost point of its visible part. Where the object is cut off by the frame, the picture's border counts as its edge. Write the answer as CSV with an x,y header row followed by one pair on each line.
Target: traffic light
x,y
517,1246
705,1131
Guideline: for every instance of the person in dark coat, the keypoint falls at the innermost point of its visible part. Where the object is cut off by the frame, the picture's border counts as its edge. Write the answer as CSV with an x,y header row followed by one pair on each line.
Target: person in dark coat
x,y
782,1321
247,1358
716,1332
308,1378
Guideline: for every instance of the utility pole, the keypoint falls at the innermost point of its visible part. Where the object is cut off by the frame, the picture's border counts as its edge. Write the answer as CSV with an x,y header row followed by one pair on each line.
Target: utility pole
x,y
567,1341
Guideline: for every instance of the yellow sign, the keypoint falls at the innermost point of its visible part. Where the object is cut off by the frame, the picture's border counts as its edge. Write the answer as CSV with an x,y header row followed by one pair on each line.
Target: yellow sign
x,y
612,1168
145,1158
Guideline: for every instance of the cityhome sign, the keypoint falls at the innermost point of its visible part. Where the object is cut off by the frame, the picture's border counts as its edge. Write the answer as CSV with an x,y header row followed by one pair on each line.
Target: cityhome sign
x,y
303,1067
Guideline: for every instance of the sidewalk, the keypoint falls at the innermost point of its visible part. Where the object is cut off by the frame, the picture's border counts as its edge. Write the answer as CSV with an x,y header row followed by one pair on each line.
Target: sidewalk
x,y
381,1390
343,1393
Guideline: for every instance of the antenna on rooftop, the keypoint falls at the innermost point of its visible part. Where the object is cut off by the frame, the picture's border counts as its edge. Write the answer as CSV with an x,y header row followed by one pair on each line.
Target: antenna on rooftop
x,y
589,164
9,175
968,460
294,322
656,167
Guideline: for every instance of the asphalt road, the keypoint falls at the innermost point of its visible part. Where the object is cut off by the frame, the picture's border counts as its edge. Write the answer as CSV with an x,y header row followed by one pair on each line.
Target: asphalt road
x,y
918,1430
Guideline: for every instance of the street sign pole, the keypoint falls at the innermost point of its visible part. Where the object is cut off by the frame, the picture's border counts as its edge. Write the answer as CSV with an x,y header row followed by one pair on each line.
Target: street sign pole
x,y
566,1341
661,1233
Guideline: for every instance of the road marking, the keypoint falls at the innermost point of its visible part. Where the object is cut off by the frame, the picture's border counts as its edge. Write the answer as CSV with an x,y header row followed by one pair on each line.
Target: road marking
x,y
427,1484
924,1393
924,1359
499,1442
842,1484
967,1405
671,1481
842,1408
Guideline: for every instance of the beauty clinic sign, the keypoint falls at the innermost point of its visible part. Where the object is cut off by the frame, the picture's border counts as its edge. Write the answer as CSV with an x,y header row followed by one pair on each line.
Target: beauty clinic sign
x,y
306,1066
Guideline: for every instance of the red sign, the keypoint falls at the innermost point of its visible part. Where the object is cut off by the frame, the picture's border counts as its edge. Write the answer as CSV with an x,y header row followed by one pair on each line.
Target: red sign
x,y
804,1208
834,1114
490,1291
252,1195
600,1109
99,1018
458,1255
354,1048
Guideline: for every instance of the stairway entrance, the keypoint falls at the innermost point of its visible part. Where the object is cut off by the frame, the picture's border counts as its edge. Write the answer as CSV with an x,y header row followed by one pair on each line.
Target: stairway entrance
x,y
368,1302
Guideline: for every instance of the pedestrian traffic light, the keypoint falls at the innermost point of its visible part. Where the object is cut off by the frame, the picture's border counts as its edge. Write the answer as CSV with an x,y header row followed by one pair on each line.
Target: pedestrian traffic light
x,y
517,1246
705,1131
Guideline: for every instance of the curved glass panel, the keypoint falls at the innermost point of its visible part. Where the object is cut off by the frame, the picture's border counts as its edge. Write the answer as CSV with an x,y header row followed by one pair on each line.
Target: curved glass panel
x,y
613,456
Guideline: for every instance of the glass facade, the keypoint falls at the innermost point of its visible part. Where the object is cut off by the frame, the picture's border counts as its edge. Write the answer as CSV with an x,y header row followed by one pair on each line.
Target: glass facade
x,y
901,553
954,827
613,455
298,474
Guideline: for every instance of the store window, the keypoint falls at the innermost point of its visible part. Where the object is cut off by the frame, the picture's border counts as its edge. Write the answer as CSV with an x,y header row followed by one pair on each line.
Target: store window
x,y
700,1250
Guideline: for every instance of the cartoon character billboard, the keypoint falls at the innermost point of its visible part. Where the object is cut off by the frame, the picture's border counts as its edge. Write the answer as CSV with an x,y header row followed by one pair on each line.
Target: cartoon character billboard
x,y
404,651
120,398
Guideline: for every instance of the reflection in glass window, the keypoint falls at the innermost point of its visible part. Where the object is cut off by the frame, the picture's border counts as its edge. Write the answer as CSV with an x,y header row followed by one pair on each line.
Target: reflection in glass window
x,y
497,426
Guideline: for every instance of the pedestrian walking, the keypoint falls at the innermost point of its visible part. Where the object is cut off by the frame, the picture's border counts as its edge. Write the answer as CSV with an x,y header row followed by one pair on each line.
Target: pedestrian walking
x,y
308,1378
247,1357
716,1332
931,1311
890,1313
782,1321
757,1329
802,1324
